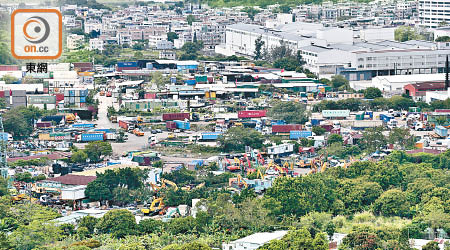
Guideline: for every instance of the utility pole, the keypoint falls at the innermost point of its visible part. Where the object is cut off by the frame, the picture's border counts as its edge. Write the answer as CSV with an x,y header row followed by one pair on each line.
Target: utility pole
x,y
3,148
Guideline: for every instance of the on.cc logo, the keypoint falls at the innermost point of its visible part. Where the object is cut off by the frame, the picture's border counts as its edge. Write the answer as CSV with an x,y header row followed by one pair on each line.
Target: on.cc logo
x,y
32,37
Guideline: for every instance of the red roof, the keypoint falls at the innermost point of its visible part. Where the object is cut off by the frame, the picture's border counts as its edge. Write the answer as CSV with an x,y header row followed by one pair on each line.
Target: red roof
x,y
52,156
425,150
72,179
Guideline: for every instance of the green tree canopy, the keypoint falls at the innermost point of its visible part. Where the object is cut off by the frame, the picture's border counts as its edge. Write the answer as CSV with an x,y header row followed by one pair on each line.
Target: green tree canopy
x,y
291,112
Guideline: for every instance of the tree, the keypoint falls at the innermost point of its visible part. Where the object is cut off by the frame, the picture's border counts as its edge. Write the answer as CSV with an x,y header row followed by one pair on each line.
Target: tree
x,y
171,36
98,191
14,123
237,138
373,139
190,19
406,33
79,156
291,112
251,12
361,241
401,137
318,130
97,150
393,202
444,39
149,226
334,138
259,43
432,245
338,81
88,222
372,93
118,222
287,63
191,50
35,234
9,79
3,186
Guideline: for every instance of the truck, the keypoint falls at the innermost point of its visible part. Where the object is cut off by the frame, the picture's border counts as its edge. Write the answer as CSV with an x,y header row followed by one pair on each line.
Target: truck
x,y
171,125
175,116
89,137
252,114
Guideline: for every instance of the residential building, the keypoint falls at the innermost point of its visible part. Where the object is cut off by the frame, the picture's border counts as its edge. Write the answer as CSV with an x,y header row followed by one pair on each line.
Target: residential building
x,y
74,41
167,54
433,13
96,44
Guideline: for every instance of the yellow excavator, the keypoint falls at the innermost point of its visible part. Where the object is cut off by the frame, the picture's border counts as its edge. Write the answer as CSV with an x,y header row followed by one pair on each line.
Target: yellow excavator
x,y
171,183
156,206
70,118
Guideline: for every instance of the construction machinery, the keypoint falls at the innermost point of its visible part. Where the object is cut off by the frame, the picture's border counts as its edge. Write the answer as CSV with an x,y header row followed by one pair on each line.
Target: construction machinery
x,y
237,181
70,118
156,206
171,183
22,197
137,132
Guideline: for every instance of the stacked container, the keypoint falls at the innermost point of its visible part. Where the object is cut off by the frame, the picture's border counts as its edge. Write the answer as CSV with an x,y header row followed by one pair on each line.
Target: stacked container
x,y
75,97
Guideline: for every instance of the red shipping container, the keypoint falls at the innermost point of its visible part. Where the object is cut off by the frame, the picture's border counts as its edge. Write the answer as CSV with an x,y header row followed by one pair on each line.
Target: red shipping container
x,y
2,93
43,124
45,90
442,110
210,79
59,97
175,116
9,68
252,113
286,128
150,95
171,125
327,127
123,124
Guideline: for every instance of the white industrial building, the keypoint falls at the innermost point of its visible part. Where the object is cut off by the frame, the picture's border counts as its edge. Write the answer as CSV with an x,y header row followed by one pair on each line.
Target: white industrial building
x,y
253,241
96,44
365,60
240,38
432,13
395,84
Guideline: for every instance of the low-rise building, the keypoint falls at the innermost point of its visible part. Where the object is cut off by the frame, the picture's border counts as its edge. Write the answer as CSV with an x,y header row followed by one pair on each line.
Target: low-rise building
x,y
253,241
74,41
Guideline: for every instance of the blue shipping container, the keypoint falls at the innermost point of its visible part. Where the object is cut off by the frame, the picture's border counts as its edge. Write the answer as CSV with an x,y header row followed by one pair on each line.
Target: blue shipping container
x,y
71,92
92,137
82,99
315,122
295,134
189,82
182,125
3,136
279,122
84,92
126,64
83,125
211,136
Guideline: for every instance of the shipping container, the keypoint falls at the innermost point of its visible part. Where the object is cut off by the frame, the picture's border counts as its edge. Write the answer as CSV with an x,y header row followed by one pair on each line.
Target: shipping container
x,y
189,82
327,127
4,136
82,99
282,149
83,125
210,136
278,122
72,92
93,137
56,118
183,125
126,64
252,114
386,118
59,97
9,68
43,124
72,100
44,137
171,125
441,131
335,113
175,116
286,128
35,99
123,124
201,79
294,134
316,122
2,93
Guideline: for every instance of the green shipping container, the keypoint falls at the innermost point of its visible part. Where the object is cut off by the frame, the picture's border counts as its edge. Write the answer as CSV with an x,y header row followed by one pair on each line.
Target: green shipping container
x,y
41,99
201,79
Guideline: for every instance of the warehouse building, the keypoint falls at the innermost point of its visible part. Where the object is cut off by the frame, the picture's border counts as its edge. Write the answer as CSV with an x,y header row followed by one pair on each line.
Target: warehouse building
x,y
365,60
